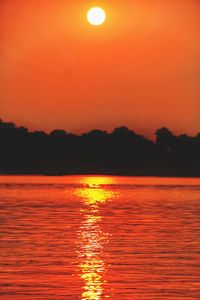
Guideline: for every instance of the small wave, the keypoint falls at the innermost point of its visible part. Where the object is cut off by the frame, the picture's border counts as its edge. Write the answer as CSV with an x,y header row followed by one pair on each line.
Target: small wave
x,y
102,186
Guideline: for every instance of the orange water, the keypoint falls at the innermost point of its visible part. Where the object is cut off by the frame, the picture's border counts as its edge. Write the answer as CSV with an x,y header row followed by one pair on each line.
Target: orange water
x,y
89,237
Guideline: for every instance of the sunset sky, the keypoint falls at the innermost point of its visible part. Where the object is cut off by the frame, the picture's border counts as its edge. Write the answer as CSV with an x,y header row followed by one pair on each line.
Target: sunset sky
x,y
141,68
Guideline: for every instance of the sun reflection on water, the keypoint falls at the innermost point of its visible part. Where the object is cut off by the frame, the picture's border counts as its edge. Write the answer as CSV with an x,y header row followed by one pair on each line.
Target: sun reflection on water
x,y
91,237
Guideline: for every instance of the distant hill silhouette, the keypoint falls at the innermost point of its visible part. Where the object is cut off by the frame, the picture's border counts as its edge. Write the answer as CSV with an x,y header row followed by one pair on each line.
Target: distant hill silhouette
x,y
121,152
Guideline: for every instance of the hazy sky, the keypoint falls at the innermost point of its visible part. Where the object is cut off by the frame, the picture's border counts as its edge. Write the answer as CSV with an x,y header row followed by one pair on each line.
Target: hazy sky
x,y
140,69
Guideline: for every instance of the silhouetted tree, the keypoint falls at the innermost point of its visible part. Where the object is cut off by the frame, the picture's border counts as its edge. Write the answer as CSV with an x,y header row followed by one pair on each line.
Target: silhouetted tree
x,y
164,138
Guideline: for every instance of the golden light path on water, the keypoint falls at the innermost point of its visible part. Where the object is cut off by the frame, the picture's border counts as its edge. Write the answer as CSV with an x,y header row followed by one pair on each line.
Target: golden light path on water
x,y
91,237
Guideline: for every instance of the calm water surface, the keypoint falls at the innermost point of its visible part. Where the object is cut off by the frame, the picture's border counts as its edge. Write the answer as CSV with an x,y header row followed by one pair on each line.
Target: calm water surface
x,y
87,237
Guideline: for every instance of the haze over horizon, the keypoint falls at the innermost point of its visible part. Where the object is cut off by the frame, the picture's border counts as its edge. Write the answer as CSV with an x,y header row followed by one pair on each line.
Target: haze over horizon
x,y
140,69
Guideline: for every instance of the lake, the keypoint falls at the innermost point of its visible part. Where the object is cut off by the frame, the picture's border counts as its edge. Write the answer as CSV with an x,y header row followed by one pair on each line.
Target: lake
x,y
99,237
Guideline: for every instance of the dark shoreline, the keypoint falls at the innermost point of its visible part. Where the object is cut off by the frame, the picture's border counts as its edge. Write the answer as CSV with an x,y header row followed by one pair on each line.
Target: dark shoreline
x,y
121,174
120,153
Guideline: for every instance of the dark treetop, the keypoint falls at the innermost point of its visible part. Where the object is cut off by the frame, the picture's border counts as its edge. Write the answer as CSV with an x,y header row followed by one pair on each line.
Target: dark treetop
x,y
121,152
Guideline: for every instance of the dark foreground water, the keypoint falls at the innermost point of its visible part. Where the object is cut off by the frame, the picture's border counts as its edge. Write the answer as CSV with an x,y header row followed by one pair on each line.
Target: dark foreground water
x,y
99,238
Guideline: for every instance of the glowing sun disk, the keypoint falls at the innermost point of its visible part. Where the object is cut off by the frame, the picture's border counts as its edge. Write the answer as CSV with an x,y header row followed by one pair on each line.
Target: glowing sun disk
x,y
96,16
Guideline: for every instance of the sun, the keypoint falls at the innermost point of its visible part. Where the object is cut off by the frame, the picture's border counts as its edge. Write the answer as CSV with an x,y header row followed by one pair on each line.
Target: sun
x,y
96,16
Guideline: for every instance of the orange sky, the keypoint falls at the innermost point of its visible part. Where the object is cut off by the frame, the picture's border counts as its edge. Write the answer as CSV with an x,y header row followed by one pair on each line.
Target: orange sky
x,y
140,69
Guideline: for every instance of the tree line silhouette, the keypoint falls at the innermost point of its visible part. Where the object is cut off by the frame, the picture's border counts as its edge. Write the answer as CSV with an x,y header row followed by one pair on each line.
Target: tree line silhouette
x,y
121,152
